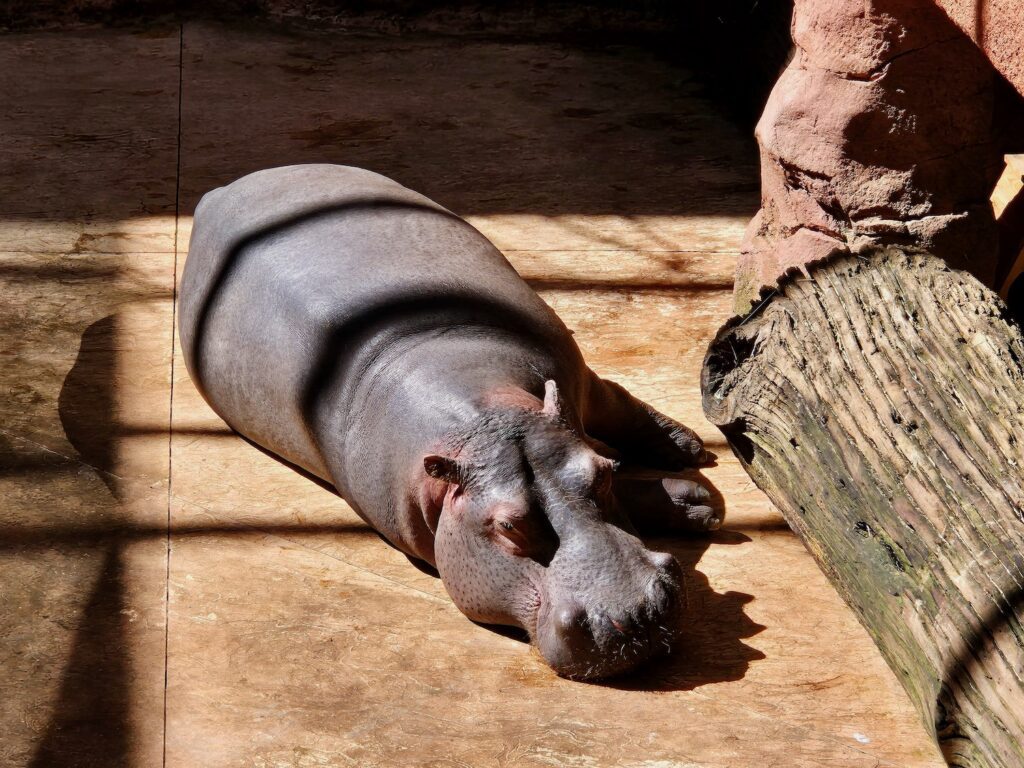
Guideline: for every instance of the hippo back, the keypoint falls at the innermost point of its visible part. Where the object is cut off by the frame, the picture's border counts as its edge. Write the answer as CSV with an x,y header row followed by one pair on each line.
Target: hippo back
x,y
291,268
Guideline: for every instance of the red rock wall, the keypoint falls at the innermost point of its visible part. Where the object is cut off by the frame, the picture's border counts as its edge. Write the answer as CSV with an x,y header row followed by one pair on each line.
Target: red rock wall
x,y
997,26
879,131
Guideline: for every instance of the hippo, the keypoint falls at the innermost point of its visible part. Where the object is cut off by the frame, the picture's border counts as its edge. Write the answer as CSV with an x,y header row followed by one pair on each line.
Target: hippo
x,y
378,341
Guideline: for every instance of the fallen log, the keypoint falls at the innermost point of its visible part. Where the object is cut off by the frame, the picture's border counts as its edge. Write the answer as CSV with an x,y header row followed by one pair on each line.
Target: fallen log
x,y
879,403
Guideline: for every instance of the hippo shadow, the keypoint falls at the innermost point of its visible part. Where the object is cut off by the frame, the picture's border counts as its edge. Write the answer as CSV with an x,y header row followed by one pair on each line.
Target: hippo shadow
x,y
86,403
714,624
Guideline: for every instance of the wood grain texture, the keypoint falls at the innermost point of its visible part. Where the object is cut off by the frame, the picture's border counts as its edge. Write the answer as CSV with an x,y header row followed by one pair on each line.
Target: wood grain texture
x,y
879,405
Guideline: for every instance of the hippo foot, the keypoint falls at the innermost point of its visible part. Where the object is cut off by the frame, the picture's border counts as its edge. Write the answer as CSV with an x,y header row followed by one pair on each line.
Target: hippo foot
x,y
667,506
690,510
641,435
678,448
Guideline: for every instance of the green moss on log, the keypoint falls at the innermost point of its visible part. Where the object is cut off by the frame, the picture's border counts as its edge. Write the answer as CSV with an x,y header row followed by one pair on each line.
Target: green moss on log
x,y
880,404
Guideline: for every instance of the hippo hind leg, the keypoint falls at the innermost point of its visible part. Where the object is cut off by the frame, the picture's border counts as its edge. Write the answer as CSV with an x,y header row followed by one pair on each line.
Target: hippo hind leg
x,y
642,435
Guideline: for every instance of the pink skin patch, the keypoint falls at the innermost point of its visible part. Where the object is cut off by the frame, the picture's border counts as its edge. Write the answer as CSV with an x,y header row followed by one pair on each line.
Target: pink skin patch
x,y
431,499
512,397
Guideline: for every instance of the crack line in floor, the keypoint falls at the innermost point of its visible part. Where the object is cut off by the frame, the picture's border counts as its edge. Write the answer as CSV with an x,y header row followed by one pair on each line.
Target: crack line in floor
x,y
170,408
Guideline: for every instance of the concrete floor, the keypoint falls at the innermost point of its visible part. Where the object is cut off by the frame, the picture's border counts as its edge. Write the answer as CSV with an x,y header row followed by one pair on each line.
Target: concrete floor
x,y
171,596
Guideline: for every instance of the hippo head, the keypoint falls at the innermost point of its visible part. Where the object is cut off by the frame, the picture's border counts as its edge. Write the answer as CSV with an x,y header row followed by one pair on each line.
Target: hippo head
x,y
530,535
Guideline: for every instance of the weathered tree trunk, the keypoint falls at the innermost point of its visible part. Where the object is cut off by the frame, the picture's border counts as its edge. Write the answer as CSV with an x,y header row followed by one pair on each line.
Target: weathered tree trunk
x,y
879,404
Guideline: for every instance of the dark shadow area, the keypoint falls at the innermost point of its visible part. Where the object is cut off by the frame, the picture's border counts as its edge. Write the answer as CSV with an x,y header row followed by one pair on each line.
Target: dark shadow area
x,y
86,401
737,47
1008,116
964,675
58,271
668,164
26,538
15,462
149,431
710,648
1011,251
91,723
511,128
518,634
616,126
775,525
1015,301
94,137
1009,119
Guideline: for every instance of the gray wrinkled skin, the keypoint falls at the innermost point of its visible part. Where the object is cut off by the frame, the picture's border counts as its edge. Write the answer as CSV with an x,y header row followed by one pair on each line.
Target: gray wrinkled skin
x,y
366,334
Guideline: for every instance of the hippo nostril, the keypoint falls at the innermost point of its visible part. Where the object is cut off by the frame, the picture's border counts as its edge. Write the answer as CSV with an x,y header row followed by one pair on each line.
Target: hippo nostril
x,y
612,629
657,596
624,625
664,595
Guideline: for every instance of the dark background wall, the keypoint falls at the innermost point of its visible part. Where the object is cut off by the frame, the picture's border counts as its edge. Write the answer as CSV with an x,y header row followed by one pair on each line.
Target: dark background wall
x,y
736,46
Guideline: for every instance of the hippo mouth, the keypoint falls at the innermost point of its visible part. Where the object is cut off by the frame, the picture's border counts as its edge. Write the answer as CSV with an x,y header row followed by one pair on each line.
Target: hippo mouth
x,y
613,659
593,645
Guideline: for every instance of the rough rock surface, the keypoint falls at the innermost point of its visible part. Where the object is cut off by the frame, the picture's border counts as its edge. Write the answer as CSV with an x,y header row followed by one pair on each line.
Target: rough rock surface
x,y
997,26
879,131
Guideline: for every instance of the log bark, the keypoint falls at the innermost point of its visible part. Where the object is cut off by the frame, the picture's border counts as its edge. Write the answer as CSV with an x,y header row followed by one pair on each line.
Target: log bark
x,y
879,404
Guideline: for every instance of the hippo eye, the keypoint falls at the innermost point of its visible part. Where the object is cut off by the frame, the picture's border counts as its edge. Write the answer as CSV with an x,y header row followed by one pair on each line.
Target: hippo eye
x,y
512,535
524,534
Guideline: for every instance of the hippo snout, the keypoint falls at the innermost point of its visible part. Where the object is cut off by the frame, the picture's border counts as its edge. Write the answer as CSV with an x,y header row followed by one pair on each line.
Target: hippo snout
x,y
601,639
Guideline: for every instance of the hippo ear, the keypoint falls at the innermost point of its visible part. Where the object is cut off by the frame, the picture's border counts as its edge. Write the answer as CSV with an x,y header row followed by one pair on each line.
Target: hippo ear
x,y
552,399
442,468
